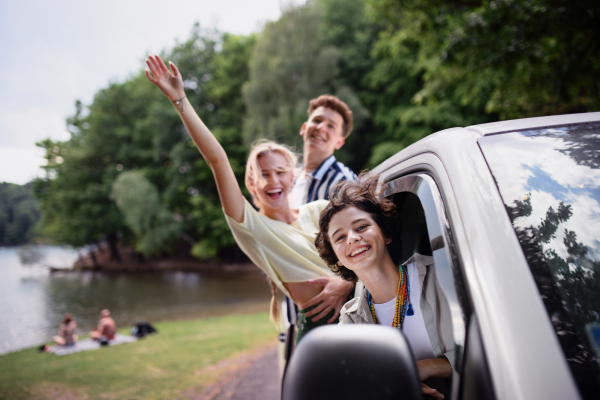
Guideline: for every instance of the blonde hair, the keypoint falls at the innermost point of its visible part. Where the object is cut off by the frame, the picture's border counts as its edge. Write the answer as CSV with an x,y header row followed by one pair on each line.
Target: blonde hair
x,y
260,148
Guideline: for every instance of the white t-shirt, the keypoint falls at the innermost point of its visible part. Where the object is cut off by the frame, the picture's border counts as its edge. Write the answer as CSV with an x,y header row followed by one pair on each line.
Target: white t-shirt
x,y
385,312
414,326
298,195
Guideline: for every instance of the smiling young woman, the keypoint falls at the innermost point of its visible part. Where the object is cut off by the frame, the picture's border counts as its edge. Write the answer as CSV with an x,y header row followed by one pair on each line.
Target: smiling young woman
x,y
278,239
357,238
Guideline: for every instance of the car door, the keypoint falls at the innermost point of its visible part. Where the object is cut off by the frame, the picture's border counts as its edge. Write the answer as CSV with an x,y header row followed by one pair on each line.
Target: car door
x,y
426,229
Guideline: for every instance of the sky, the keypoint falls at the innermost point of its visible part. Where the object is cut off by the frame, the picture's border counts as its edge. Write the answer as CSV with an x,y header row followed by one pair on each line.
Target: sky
x,y
53,53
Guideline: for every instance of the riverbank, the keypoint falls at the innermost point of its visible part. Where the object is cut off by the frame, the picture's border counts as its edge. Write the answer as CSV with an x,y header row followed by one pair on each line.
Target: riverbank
x,y
123,258
183,358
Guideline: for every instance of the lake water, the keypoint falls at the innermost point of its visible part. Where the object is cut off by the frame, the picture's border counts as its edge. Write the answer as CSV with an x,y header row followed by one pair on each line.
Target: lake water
x,y
33,301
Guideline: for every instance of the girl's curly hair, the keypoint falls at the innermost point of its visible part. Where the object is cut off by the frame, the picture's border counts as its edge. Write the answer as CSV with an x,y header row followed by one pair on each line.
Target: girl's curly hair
x,y
364,194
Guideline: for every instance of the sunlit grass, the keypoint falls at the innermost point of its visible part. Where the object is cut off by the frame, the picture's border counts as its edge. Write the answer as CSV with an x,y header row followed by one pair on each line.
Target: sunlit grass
x,y
161,366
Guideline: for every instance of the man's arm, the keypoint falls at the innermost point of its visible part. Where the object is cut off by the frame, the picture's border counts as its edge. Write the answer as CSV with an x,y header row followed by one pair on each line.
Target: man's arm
x,y
433,368
334,295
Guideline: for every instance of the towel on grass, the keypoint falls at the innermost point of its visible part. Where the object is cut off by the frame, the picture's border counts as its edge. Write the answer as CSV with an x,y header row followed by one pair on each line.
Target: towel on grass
x,y
89,344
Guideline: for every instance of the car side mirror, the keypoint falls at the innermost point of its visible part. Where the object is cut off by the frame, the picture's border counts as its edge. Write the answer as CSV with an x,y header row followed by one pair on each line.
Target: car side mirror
x,y
352,362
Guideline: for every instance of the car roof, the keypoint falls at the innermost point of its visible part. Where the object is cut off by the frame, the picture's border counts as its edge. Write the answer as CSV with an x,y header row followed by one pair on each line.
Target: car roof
x,y
531,123
438,142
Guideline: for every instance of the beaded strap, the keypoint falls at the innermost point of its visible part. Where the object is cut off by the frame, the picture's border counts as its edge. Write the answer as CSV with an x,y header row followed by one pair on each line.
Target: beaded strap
x,y
403,305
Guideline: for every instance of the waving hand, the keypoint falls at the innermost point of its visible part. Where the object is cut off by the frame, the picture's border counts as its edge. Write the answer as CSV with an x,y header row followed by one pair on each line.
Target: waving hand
x,y
170,83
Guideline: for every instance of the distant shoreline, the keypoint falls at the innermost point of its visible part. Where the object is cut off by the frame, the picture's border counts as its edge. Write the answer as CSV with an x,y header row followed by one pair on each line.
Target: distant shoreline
x,y
98,259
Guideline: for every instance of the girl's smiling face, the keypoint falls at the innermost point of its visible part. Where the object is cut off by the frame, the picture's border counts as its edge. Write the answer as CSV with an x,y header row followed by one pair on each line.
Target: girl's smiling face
x,y
278,181
357,240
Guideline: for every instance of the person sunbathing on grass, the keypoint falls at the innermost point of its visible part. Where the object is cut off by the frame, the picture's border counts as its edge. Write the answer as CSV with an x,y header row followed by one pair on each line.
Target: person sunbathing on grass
x,y
66,333
356,239
277,238
106,329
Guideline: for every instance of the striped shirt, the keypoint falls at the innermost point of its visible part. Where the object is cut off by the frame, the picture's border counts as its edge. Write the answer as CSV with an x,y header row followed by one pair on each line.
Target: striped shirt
x,y
316,185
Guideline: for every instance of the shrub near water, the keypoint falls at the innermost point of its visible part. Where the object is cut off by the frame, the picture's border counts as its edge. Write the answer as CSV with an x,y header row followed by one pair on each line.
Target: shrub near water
x,y
161,366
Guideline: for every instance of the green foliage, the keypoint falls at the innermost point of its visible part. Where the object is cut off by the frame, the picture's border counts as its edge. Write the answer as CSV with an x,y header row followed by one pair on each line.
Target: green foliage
x,y
19,214
155,228
499,58
545,55
408,76
298,58
346,27
192,191
289,66
130,126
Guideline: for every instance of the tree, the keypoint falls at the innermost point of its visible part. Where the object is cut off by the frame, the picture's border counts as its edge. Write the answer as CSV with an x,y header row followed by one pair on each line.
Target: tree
x,y
298,58
346,26
408,68
289,66
19,214
130,129
503,58
155,227
192,192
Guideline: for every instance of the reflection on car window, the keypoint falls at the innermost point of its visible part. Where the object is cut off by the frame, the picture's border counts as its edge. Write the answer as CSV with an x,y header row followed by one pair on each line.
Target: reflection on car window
x,y
549,180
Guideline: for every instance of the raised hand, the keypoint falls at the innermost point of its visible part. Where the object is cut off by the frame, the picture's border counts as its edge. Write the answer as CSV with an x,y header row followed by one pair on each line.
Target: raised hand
x,y
170,83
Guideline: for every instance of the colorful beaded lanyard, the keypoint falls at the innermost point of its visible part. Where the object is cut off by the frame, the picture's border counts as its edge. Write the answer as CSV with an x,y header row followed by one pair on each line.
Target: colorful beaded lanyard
x,y
402,300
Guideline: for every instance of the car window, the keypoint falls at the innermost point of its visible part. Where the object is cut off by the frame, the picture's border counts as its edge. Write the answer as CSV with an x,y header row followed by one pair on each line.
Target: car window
x,y
549,180
424,229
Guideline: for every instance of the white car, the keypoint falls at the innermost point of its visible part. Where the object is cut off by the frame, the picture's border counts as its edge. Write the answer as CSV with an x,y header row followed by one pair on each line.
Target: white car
x,y
510,212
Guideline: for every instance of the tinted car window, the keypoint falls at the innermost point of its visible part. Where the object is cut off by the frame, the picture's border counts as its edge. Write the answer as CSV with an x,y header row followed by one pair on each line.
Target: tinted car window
x,y
549,180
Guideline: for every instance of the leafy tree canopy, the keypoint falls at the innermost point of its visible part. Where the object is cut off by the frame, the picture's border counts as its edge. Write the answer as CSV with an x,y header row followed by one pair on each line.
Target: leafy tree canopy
x,y
19,214
130,127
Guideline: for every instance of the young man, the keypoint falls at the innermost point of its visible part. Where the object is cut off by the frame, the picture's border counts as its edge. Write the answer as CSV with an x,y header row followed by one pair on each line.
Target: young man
x,y
329,124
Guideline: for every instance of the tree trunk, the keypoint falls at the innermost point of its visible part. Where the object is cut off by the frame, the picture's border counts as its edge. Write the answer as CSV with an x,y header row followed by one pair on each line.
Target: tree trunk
x,y
139,257
81,260
94,261
111,238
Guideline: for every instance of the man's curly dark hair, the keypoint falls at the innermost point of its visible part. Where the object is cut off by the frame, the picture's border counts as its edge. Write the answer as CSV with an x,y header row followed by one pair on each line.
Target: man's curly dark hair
x,y
364,194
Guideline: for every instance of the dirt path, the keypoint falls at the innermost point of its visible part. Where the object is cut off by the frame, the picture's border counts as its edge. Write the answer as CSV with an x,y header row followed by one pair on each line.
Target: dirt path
x,y
251,376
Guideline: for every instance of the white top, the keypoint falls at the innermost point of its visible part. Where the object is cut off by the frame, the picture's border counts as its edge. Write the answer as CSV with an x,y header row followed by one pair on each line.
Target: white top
x,y
298,195
286,253
315,185
414,325
385,312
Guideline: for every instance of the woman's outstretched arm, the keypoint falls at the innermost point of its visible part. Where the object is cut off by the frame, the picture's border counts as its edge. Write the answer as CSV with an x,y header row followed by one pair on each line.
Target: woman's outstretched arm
x,y
171,84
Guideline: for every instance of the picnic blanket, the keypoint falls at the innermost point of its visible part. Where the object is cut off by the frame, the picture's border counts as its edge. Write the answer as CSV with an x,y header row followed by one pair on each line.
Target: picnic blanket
x,y
89,344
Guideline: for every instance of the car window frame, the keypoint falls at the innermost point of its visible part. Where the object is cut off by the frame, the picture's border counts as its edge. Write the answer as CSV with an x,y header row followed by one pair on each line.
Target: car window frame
x,y
420,181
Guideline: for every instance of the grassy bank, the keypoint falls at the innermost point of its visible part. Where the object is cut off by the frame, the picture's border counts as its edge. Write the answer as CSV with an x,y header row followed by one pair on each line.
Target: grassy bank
x,y
161,366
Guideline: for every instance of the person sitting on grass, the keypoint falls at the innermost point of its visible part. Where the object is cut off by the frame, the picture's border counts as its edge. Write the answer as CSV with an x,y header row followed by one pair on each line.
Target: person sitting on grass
x,y
356,239
277,238
106,329
66,333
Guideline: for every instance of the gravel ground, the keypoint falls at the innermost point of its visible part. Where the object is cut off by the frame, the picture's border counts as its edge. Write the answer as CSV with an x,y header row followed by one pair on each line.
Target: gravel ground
x,y
259,382
250,377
